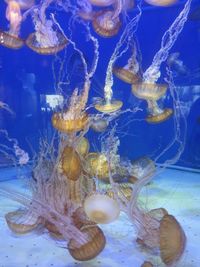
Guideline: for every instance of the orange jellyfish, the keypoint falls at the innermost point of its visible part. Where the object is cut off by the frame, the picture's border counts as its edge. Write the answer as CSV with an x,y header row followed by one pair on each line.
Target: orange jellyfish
x,y
108,106
172,240
161,2
161,230
105,23
11,39
69,125
45,40
22,221
152,92
92,248
46,48
130,73
126,74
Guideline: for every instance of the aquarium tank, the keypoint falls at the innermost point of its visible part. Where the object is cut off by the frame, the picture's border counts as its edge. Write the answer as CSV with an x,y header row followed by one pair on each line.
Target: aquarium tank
x,y
99,133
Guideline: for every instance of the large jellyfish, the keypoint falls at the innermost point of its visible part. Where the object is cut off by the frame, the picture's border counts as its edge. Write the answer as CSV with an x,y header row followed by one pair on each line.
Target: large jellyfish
x,y
157,230
108,105
148,89
45,40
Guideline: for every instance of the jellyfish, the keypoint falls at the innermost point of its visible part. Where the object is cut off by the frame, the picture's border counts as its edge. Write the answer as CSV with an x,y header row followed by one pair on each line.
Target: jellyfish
x,y
11,38
71,164
45,40
105,24
161,2
101,208
22,221
90,249
152,92
130,73
148,89
24,4
147,264
99,124
109,105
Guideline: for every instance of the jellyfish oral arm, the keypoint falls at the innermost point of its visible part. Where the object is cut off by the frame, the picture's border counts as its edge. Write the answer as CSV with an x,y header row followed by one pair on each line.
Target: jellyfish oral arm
x,y
125,38
152,74
13,15
118,9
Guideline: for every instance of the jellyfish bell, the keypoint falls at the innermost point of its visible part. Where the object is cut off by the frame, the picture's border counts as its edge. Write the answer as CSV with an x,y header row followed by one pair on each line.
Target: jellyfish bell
x,y
51,49
161,2
108,107
126,75
105,25
102,3
99,125
149,91
22,221
10,41
101,208
71,163
24,4
160,117
172,240
92,248
69,125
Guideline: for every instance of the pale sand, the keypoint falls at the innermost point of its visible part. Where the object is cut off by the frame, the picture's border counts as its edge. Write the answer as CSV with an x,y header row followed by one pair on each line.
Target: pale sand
x,y
177,191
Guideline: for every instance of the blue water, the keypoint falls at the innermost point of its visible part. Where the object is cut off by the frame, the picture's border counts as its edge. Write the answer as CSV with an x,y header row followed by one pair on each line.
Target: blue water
x,y
23,93
27,78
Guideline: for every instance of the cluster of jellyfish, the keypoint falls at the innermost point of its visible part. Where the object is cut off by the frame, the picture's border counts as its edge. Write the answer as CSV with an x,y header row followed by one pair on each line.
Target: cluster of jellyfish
x,y
66,198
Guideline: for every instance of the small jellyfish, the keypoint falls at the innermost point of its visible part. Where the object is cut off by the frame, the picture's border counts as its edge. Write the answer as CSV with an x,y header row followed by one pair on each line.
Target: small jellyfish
x,y
101,208
161,2
92,248
105,24
152,92
46,48
108,107
11,39
126,75
99,124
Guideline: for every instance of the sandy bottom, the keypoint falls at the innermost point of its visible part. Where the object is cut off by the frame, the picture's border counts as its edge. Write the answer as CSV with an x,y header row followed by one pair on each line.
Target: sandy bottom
x,y
177,191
